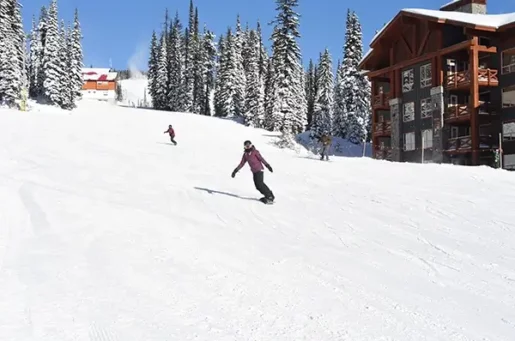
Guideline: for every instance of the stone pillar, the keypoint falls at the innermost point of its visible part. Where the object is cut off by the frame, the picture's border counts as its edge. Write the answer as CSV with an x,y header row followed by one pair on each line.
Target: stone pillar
x,y
396,140
438,123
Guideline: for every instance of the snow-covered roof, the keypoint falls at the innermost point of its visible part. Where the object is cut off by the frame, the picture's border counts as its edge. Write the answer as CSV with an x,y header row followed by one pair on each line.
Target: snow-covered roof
x,y
450,3
485,20
494,21
98,74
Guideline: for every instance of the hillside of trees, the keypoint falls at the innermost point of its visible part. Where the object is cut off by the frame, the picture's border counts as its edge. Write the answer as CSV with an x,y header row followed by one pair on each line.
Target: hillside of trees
x,y
46,64
235,76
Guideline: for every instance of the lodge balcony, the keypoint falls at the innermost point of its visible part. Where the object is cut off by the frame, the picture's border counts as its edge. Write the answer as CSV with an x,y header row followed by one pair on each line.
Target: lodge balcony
x,y
383,153
459,144
381,101
383,128
461,79
463,144
460,113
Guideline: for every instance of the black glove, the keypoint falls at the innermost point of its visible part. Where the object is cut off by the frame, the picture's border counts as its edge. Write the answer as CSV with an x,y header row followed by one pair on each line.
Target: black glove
x,y
234,173
270,168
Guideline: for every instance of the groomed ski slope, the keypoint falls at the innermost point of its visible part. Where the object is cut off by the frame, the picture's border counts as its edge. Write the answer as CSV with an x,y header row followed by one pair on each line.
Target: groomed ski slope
x,y
109,233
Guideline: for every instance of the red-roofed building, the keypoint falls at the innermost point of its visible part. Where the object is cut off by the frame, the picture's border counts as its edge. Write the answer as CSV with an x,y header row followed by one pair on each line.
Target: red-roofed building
x,y
99,83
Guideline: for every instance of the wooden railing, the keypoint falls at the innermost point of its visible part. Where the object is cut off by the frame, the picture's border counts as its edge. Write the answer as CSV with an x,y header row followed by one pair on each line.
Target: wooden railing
x,y
456,111
459,143
383,128
381,100
486,77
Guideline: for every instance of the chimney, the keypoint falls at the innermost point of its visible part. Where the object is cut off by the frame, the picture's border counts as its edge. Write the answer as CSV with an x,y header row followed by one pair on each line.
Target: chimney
x,y
465,6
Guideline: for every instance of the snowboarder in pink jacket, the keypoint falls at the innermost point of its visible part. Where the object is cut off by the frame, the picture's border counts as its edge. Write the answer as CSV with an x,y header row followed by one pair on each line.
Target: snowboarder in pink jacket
x,y
256,162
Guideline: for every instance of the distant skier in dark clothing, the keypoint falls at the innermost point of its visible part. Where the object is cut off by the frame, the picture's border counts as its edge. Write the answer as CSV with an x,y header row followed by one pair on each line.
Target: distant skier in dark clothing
x,y
326,140
256,162
171,132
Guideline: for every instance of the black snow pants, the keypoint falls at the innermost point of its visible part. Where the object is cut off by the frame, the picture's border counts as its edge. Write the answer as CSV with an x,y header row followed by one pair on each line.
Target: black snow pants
x,y
173,141
261,186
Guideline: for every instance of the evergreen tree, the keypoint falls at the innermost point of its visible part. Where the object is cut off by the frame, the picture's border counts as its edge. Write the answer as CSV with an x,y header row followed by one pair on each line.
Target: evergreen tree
x,y
225,89
310,91
188,81
42,37
355,88
34,61
254,102
12,52
51,63
239,70
269,123
209,69
218,84
176,66
288,102
66,98
76,58
263,55
161,76
198,69
152,67
323,108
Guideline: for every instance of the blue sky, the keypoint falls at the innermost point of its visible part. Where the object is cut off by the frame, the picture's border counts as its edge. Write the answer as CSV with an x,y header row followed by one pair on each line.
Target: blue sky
x,y
120,30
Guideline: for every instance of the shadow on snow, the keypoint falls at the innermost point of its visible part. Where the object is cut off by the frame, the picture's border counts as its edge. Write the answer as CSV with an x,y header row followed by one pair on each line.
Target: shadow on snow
x,y
211,191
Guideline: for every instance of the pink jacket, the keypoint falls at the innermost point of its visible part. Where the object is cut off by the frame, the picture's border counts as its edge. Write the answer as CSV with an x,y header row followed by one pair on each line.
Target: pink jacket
x,y
255,160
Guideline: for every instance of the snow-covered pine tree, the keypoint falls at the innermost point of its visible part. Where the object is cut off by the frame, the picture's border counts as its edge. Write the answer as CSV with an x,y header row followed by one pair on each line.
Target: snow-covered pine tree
x,y
225,94
254,113
356,88
239,81
310,91
198,69
220,60
152,67
66,100
176,66
209,60
339,112
287,64
323,109
51,62
76,58
269,123
161,80
301,105
12,64
187,88
34,61
19,43
42,34
263,54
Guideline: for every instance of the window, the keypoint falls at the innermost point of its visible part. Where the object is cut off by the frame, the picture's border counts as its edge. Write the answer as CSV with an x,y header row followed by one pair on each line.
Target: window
x,y
102,83
508,61
426,78
427,138
508,131
508,97
409,141
409,112
509,162
426,109
408,80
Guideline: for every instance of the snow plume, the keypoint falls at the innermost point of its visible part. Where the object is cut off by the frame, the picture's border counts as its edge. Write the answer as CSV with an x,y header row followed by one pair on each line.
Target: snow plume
x,y
137,61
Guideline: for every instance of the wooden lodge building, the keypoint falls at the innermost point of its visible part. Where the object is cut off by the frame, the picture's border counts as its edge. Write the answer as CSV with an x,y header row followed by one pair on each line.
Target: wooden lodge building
x,y
443,86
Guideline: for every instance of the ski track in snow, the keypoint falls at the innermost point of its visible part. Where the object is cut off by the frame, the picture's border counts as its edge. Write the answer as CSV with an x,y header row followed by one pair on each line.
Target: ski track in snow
x,y
106,234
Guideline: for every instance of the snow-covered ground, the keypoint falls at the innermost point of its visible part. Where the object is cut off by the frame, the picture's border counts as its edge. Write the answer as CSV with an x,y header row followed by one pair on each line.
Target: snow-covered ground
x,y
135,92
108,232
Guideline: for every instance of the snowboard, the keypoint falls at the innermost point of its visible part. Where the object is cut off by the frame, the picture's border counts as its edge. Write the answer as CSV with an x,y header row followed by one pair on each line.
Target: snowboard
x,y
266,202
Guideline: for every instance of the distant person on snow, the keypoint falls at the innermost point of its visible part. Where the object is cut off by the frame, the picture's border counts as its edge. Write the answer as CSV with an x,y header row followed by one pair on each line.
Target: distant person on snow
x,y
256,162
171,132
326,140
